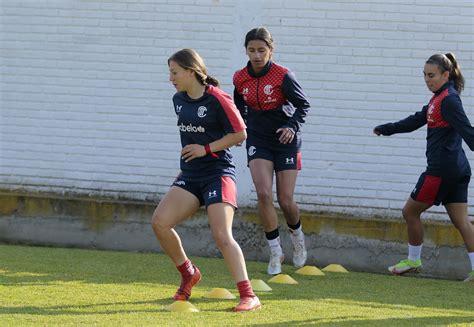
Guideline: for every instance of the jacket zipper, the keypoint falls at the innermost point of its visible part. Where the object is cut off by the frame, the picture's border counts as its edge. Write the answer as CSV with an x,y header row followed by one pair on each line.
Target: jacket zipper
x,y
258,101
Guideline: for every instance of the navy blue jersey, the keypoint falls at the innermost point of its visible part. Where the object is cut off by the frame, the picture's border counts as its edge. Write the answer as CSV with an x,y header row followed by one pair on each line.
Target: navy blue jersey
x,y
448,125
202,121
268,101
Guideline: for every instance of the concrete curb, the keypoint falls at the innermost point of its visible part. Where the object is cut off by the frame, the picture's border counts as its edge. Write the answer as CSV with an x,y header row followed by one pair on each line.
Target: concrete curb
x,y
359,244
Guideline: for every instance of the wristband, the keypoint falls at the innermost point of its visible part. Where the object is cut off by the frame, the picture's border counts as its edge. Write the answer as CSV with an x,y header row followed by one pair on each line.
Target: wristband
x,y
208,151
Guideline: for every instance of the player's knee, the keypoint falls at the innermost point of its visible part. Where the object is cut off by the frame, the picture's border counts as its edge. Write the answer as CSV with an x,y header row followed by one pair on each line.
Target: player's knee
x,y
406,214
222,239
286,202
265,196
457,225
158,223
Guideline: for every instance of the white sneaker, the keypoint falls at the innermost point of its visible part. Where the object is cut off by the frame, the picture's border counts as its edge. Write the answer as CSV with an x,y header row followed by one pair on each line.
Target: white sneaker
x,y
299,254
274,266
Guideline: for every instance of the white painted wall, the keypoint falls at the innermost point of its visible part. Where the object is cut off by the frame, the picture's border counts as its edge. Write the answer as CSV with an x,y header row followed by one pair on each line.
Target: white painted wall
x,y
86,103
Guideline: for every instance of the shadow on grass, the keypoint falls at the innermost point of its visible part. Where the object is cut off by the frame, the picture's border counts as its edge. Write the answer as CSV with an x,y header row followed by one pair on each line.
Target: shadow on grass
x,y
160,306
74,309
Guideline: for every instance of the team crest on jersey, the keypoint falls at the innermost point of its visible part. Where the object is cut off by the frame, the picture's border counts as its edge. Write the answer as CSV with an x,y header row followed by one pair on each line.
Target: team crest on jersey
x,y
202,112
268,89
178,108
252,150
430,113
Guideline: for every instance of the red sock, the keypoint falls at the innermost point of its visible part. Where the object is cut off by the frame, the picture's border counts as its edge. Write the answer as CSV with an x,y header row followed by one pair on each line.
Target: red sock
x,y
186,269
245,289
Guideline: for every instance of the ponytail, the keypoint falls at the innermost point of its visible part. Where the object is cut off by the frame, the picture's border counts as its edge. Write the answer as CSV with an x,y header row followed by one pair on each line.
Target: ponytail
x,y
212,81
455,73
448,63
206,79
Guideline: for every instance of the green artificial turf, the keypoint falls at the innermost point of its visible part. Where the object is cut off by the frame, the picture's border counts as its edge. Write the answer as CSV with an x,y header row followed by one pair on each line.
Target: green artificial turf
x,y
69,287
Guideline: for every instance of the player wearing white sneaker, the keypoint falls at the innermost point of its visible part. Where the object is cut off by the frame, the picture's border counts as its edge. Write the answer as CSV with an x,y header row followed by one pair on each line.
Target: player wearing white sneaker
x,y
274,106
299,255
274,265
299,247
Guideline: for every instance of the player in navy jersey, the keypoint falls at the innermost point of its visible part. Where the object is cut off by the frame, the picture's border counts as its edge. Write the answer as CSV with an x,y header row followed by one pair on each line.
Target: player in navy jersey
x,y
274,107
209,123
448,173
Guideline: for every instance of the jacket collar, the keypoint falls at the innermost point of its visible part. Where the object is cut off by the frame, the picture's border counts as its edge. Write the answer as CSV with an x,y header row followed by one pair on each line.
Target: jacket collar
x,y
444,87
265,69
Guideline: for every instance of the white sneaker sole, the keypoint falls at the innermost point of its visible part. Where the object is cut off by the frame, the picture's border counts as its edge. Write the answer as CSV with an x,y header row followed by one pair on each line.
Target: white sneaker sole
x,y
399,273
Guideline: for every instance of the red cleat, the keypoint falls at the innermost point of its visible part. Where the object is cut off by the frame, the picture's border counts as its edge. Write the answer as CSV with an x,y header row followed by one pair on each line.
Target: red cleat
x,y
248,304
184,291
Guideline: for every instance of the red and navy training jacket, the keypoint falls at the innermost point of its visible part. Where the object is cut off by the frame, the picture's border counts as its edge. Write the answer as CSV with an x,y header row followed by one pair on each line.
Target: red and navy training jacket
x,y
268,101
202,121
448,125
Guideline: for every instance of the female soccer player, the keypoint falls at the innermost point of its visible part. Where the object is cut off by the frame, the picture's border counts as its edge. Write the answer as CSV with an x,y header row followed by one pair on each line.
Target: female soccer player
x,y
447,175
209,123
274,107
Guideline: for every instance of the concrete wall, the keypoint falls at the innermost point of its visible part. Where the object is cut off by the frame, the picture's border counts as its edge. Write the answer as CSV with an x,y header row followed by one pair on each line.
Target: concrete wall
x,y
86,102
359,244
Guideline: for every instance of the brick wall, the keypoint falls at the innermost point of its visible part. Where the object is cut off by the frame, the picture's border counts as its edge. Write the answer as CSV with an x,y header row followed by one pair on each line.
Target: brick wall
x,y
86,102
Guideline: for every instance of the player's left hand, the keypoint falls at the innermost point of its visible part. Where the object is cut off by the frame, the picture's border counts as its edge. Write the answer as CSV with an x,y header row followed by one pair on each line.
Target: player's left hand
x,y
192,151
286,136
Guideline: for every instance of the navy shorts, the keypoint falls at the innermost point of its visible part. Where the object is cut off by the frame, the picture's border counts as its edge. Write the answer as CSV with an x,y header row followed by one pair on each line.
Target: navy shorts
x,y
215,190
282,160
436,190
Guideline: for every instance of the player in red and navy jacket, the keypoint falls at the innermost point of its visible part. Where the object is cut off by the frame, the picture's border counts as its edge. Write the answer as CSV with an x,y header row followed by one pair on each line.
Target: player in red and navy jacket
x,y
209,123
274,106
448,173
270,100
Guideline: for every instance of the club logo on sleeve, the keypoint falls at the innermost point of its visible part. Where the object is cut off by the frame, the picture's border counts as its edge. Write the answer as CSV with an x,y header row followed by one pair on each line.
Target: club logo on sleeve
x,y
268,89
202,112
290,161
245,92
252,151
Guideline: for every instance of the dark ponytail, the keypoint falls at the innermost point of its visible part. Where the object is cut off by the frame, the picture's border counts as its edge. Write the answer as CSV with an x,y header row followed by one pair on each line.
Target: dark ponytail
x,y
448,63
455,73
